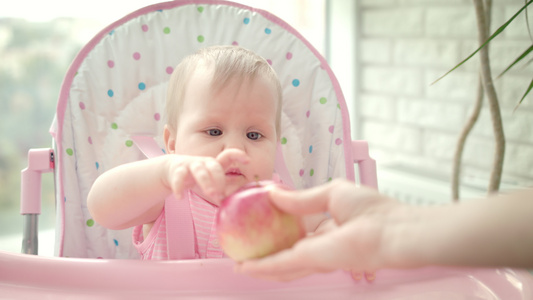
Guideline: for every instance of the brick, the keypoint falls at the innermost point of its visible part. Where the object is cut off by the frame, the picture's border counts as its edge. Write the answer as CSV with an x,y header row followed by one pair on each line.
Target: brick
x,y
439,145
458,85
518,28
392,136
426,52
433,2
512,90
376,51
451,22
396,22
500,2
378,107
518,160
394,81
503,52
478,152
516,125
376,3
431,114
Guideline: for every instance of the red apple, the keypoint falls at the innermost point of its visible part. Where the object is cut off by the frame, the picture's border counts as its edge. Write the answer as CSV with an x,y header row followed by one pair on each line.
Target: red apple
x,y
250,226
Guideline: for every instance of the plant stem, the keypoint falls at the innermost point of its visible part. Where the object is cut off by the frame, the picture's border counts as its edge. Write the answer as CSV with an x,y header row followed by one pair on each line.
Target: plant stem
x,y
497,126
456,172
474,116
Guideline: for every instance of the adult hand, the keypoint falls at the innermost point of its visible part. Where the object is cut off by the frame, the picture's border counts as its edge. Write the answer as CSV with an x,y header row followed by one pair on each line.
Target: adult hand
x,y
351,240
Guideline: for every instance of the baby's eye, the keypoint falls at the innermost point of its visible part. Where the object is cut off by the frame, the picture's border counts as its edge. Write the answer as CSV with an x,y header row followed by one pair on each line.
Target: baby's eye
x,y
214,132
254,135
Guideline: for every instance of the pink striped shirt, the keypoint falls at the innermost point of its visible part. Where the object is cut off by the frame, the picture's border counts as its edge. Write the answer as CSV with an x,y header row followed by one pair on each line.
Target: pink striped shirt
x,y
154,246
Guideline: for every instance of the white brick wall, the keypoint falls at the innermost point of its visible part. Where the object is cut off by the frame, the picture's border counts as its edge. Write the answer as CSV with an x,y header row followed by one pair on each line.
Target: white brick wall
x,y
404,45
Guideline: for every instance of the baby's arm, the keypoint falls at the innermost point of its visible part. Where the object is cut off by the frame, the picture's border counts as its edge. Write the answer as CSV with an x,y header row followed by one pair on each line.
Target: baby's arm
x,y
134,193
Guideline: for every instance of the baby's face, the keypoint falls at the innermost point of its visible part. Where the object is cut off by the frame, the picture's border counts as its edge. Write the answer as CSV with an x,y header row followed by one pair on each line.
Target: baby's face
x,y
241,115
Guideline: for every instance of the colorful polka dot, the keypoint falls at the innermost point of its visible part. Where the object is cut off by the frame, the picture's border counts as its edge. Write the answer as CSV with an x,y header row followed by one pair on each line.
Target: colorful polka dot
x,y
129,143
90,140
157,117
308,113
144,27
311,149
169,70
235,43
312,172
296,82
166,30
323,100
200,38
114,126
142,86
246,21
283,140
110,93
90,222
289,55
338,106
136,56
330,179
269,61
338,141
82,105
69,151
97,165
331,128
301,172
110,63
268,30
111,32
200,9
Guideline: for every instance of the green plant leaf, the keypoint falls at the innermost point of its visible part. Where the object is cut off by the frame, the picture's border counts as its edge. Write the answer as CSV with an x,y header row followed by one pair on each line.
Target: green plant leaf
x,y
525,94
517,60
527,23
496,33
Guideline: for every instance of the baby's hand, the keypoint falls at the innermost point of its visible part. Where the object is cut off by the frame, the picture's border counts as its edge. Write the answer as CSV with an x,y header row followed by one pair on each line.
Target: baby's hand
x,y
207,173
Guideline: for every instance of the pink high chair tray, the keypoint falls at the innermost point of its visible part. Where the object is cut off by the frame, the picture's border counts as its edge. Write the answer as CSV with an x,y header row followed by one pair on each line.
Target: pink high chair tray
x,y
32,277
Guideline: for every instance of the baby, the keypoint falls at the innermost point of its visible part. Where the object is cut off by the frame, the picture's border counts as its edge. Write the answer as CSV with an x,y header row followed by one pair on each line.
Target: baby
x,y
224,111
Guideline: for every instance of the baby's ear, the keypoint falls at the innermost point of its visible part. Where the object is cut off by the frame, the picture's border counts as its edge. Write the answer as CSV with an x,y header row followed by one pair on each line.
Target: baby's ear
x,y
170,139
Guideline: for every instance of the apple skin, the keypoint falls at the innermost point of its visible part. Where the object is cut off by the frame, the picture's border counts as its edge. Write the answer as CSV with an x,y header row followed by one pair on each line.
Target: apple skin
x,y
250,226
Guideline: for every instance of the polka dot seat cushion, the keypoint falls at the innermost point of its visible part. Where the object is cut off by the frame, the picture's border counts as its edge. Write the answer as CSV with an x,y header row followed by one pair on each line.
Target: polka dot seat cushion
x,y
116,87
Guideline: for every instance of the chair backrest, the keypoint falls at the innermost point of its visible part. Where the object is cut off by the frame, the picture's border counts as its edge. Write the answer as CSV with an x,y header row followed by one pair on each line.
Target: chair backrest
x,y
115,89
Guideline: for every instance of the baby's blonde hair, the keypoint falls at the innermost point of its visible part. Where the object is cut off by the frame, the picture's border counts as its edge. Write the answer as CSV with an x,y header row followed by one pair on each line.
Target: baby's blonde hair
x,y
230,62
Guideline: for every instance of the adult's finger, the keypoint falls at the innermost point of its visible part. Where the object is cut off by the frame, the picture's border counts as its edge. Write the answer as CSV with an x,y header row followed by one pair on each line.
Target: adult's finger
x,y
310,255
308,201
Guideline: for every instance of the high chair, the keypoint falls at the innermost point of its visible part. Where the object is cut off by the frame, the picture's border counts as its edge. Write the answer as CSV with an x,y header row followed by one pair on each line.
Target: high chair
x,y
112,103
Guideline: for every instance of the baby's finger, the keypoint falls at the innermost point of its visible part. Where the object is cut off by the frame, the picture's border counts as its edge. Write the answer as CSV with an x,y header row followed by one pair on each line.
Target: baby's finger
x,y
218,179
178,183
202,176
230,156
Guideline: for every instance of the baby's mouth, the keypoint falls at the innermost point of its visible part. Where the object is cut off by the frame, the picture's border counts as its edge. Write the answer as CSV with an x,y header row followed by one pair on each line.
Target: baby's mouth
x,y
233,172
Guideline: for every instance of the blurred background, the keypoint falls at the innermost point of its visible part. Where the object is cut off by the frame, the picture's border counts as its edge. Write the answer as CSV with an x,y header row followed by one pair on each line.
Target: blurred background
x,y
385,54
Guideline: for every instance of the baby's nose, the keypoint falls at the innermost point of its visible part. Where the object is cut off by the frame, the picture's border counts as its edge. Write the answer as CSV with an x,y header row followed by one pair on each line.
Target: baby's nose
x,y
234,142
